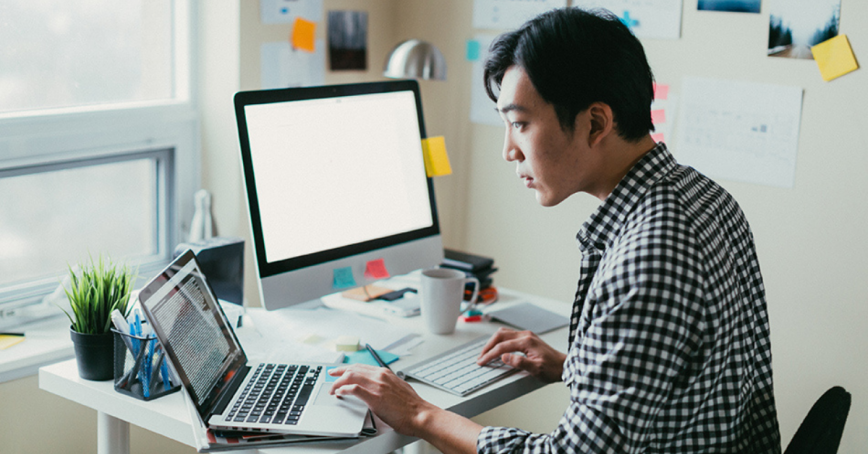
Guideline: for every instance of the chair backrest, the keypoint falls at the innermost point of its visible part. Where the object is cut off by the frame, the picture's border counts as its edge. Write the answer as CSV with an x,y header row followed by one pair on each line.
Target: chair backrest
x,y
820,432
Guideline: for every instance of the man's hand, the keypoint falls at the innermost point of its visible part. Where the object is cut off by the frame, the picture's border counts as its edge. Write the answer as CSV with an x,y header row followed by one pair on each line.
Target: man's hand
x,y
535,356
395,402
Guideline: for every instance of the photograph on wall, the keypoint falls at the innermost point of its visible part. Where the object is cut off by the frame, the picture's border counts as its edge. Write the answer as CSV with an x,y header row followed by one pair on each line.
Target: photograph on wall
x,y
796,25
348,40
735,6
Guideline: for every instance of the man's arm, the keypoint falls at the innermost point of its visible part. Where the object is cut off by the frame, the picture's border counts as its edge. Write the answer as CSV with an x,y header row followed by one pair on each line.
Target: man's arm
x,y
395,402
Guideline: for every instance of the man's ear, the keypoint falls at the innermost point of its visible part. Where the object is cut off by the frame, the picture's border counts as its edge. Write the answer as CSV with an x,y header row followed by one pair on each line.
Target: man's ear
x,y
602,122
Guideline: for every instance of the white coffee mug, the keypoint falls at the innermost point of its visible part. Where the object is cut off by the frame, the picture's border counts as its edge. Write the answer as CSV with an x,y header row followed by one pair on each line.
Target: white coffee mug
x,y
441,293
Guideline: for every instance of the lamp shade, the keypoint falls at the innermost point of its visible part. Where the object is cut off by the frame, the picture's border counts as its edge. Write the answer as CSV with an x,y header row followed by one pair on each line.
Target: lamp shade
x,y
416,60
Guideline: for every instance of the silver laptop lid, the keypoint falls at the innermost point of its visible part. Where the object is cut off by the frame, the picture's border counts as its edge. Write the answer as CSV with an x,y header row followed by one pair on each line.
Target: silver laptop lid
x,y
194,331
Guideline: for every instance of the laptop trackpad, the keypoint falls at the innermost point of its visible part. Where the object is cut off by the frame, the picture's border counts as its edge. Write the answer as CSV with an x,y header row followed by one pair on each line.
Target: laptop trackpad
x,y
324,398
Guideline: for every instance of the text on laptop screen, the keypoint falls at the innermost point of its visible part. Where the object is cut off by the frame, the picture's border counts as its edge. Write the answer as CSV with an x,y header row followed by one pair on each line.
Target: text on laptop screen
x,y
360,179
197,337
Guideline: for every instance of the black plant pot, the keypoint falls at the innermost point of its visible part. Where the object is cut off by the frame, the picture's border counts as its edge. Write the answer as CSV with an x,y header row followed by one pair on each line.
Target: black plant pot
x,y
94,354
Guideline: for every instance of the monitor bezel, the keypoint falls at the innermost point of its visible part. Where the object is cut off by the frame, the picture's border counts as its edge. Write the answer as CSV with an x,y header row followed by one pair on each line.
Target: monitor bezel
x,y
246,98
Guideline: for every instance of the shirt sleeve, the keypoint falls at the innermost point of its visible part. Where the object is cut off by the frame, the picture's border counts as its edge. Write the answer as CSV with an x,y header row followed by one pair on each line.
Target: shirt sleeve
x,y
643,324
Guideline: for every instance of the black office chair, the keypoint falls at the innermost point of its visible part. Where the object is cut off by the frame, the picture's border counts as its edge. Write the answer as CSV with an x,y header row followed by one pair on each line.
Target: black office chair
x,y
820,432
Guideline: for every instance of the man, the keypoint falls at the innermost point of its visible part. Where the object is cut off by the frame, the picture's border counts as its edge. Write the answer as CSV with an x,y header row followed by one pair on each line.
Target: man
x,y
669,339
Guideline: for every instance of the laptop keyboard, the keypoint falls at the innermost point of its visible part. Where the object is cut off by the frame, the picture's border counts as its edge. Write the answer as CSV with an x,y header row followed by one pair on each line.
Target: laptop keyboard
x,y
275,394
456,370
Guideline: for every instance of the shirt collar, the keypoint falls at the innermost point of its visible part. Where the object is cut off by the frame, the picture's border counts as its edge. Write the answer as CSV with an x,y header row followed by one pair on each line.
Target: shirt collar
x,y
603,226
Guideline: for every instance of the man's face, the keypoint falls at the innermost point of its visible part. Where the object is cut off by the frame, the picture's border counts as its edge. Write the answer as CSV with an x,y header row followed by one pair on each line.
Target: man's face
x,y
550,160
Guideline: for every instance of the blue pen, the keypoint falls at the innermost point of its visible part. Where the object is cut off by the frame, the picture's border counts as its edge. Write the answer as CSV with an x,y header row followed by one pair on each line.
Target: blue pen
x,y
146,369
164,370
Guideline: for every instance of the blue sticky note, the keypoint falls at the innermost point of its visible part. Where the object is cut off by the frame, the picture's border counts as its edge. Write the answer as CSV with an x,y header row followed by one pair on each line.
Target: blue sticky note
x,y
343,278
472,50
364,357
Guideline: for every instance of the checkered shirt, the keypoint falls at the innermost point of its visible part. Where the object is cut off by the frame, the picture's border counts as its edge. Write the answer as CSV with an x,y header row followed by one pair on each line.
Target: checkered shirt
x,y
669,335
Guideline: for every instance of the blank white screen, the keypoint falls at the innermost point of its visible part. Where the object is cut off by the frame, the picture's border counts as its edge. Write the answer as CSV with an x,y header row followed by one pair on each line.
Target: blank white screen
x,y
337,171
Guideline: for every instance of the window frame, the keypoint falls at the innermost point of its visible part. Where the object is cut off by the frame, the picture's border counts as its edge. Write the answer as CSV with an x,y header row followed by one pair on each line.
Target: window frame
x,y
54,139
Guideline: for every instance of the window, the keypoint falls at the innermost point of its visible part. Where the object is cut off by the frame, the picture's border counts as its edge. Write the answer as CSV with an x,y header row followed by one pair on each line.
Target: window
x,y
98,140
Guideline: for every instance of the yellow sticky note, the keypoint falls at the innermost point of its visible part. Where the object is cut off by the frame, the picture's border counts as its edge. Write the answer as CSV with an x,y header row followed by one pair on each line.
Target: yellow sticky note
x,y
8,341
436,159
834,57
303,34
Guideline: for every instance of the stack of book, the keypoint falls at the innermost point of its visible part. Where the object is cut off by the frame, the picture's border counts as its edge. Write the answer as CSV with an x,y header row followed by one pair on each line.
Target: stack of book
x,y
477,266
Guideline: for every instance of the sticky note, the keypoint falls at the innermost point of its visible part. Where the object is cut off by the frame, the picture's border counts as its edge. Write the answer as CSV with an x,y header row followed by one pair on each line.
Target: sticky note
x,y
303,34
658,116
343,278
657,137
8,341
661,91
364,357
472,50
376,269
347,344
436,159
834,57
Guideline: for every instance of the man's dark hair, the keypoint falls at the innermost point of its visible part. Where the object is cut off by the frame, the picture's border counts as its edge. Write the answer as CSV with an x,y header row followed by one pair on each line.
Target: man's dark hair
x,y
574,58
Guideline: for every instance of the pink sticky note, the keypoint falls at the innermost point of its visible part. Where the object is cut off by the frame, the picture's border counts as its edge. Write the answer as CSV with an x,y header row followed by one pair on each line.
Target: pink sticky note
x,y
376,269
657,137
658,116
661,91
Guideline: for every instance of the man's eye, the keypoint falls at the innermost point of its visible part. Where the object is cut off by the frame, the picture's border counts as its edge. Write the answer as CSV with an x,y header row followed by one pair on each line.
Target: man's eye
x,y
517,124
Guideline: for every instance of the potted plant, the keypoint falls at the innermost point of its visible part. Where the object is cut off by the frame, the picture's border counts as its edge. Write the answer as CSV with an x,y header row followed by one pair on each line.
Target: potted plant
x,y
97,289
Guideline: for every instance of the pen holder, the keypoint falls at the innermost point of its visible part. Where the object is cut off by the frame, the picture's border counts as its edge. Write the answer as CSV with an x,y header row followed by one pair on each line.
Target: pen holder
x,y
140,368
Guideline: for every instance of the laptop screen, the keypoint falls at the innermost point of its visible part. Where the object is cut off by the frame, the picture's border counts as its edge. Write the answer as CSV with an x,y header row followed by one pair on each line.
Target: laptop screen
x,y
192,328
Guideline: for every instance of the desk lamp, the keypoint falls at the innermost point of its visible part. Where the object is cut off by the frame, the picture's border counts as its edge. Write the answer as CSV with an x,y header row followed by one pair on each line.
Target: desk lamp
x,y
415,59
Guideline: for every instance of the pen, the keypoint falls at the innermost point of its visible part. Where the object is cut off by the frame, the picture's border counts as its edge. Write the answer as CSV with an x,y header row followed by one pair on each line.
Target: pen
x,y
377,357
12,334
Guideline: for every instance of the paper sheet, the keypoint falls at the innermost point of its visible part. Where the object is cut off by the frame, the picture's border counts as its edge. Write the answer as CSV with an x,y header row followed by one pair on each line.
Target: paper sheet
x,y
328,324
482,108
739,130
509,14
646,18
286,11
284,67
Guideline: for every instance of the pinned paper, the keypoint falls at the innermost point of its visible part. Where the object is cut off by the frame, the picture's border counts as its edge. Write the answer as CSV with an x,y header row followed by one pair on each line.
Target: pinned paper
x,y
658,116
343,278
834,57
436,159
661,91
376,269
472,50
303,33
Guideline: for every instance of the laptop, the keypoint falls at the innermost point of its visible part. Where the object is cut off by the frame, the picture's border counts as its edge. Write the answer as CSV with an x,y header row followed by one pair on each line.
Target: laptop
x,y
228,393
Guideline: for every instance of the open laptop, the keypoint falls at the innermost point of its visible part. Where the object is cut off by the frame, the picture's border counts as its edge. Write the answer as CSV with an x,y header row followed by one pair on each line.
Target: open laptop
x,y
229,393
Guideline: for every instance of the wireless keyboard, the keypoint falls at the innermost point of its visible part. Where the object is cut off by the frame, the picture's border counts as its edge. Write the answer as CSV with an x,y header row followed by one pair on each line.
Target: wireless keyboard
x,y
456,370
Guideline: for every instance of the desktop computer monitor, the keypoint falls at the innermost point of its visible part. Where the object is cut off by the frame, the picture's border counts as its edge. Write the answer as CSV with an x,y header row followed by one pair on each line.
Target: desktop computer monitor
x,y
336,182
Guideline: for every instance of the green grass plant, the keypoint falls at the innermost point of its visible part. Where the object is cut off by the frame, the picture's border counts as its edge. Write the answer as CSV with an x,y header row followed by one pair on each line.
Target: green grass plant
x,y
95,291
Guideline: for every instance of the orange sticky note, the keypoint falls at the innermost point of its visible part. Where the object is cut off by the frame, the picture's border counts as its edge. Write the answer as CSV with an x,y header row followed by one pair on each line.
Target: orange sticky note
x,y
834,57
376,269
436,159
658,116
661,91
303,34
657,137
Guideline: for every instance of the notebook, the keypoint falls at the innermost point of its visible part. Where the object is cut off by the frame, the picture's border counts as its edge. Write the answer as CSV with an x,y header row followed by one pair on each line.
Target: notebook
x,y
227,392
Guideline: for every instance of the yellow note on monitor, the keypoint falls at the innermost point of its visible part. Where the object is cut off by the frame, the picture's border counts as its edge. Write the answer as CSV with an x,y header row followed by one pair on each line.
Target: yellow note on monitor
x,y
436,159
834,57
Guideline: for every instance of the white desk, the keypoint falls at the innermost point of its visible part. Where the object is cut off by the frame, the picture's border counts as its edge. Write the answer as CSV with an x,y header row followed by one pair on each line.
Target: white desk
x,y
169,417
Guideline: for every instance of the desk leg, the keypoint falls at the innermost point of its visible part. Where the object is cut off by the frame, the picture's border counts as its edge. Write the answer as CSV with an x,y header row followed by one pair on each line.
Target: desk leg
x,y
113,435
